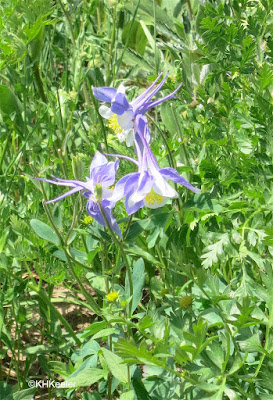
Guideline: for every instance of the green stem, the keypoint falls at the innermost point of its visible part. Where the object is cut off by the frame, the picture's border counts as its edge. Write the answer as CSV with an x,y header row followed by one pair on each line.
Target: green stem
x,y
165,142
267,332
190,7
36,72
155,47
166,272
128,268
100,119
5,149
127,227
88,297
69,23
74,220
128,37
171,159
110,66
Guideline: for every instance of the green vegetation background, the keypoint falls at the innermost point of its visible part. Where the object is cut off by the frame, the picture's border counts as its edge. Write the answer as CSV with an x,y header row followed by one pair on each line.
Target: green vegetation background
x,y
202,267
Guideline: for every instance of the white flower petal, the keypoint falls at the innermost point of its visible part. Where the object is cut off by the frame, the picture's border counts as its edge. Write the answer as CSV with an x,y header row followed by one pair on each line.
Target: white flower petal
x,y
122,136
125,120
121,89
105,112
107,193
130,138
162,187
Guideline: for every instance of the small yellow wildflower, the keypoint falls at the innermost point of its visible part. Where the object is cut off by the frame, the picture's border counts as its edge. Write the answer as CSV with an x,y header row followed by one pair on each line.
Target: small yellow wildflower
x,y
87,220
114,125
111,297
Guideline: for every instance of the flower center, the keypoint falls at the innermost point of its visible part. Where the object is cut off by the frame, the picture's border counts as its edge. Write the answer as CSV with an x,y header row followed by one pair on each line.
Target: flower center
x,y
114,125
153,198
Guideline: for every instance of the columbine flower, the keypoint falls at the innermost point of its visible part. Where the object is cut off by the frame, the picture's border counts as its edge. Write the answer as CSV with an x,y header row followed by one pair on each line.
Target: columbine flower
x,y
147,187
122,114
95,189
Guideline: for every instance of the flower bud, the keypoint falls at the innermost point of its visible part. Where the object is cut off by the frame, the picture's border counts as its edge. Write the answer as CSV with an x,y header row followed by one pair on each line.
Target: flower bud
x,y
87,220
77,167
185,302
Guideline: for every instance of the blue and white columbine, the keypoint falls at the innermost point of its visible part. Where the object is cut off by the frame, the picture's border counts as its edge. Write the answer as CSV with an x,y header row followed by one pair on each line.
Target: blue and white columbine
x,y
148,186
122,114
102,176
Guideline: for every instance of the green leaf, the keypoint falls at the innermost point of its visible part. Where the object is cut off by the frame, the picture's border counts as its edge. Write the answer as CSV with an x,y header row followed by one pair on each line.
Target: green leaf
x,y
140,390
3,239
244,143
39,349
90,348
137,38
168,118
86,377
44,231
26,394
93,396
138,277
128,395
94,328
9,105
117,369
134,231
5,391
265,76
142,355
213,251
104,332
140,252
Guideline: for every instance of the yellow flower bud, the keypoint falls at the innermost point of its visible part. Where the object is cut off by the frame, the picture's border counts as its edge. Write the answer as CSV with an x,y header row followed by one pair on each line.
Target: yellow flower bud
x,y
87,220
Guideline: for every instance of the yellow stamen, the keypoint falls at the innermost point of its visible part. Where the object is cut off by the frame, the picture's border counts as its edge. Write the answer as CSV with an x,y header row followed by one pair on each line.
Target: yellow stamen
x,y
114,125
153,198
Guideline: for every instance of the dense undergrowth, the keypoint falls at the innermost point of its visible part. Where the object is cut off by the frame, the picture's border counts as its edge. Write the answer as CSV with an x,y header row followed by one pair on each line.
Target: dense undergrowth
x,y
199,322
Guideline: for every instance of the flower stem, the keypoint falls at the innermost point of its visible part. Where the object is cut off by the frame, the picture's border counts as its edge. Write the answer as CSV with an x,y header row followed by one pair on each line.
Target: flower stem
x,y
127,227
69,259
125,259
